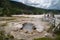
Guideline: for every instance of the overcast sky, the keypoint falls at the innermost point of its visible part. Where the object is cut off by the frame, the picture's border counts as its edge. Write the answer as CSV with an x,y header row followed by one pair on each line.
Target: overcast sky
x,y
45,4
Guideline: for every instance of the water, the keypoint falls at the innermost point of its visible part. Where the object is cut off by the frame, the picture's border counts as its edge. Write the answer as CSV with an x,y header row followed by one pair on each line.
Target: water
x,y
28,27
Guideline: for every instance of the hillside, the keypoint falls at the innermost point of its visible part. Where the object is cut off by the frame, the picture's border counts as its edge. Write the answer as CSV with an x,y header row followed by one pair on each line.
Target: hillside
x,y
7,8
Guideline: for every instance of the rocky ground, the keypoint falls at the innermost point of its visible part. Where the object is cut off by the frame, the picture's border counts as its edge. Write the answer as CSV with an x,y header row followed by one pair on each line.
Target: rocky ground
x,y
5,22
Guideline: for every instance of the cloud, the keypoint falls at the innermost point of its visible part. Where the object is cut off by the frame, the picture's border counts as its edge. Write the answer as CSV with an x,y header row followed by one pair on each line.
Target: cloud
x,y
45,4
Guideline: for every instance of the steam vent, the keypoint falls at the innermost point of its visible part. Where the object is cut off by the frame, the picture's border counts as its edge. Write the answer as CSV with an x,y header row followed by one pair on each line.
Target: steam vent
x,y
27,26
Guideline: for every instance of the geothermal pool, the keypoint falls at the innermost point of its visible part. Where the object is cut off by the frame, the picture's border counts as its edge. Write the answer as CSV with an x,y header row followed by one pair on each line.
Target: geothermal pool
x,y
28,27
25,26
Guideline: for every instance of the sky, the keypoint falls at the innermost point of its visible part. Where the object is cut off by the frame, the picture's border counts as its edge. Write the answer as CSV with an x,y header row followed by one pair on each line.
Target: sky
x,y
45,4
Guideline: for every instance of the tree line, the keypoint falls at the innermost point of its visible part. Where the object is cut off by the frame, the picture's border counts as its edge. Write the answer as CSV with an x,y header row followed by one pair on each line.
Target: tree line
x,y
8,8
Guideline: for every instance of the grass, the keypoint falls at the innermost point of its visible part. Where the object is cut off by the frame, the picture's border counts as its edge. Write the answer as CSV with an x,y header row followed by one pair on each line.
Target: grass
x,y
4,37
44,38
